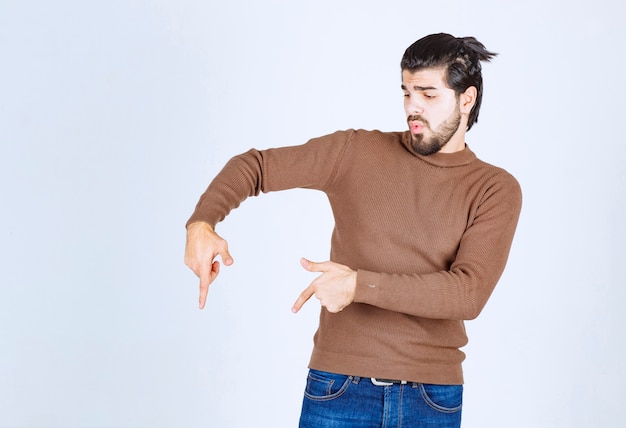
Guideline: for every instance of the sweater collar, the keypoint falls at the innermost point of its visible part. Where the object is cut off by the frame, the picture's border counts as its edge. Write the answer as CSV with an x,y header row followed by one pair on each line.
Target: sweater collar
x,y
460,158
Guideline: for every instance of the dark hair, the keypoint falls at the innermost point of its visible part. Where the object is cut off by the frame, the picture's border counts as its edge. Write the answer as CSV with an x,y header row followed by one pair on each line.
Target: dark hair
x,y
460,56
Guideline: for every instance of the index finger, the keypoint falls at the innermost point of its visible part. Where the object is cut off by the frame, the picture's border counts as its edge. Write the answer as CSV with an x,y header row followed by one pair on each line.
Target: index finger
x,y
303,298
206,278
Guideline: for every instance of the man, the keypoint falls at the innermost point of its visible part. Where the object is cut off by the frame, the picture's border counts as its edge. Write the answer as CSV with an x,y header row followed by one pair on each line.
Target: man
x,y
422,234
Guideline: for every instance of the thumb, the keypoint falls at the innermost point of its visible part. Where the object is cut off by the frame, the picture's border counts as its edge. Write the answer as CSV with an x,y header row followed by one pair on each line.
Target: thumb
x,y
312,266
227,259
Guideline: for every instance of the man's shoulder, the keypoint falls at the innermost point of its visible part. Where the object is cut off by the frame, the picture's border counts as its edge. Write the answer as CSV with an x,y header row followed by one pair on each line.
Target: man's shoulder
x,y
375,133
495,169
362,136
376,139
497,174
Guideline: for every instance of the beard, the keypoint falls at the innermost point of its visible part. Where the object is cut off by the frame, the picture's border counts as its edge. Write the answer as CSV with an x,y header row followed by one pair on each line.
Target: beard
x,y
438,138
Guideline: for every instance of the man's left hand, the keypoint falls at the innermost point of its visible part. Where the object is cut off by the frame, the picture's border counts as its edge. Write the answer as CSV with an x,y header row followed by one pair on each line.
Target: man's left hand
x,y
335,287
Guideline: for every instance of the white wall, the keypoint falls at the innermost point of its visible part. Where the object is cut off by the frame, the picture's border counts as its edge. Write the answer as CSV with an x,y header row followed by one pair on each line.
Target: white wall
x,y
114,116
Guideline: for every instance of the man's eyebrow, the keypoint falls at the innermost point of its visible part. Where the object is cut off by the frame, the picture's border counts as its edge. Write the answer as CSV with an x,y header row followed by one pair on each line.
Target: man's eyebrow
x,y
420,88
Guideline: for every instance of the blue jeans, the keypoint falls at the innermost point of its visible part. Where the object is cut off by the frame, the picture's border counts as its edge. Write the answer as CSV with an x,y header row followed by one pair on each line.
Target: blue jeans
x,y
339,401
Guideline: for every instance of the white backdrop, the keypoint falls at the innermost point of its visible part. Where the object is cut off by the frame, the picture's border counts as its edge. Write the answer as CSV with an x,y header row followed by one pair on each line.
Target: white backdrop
x,y
114,116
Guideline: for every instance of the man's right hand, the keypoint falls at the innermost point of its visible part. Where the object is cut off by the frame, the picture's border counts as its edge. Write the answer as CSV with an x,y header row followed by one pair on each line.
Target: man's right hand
x,y
203,246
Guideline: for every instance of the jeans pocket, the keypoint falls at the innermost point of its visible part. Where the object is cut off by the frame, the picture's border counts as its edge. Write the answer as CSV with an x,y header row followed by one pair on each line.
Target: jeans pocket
x,y
443,398
325,386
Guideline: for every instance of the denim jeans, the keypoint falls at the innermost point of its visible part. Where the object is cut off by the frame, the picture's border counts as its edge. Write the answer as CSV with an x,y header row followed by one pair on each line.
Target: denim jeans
x,y
339,401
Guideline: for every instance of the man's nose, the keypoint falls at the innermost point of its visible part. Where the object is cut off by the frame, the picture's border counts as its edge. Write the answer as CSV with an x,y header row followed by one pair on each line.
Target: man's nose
x,y
415,106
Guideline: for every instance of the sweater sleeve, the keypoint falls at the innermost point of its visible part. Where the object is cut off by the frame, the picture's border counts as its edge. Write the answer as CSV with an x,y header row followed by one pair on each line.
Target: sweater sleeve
x,y
461,292
311,165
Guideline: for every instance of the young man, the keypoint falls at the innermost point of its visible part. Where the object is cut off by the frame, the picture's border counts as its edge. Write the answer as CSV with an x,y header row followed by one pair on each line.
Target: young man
x,y
422,234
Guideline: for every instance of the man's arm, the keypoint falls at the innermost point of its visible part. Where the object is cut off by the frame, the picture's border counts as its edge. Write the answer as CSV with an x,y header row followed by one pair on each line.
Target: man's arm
x,y
458,293
311,165
461,292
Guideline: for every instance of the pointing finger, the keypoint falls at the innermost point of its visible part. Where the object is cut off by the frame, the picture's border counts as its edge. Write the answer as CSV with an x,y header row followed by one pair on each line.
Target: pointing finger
x,y
206,278
303,298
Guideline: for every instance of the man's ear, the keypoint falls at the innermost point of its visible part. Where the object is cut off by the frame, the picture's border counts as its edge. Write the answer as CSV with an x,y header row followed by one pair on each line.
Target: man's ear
x,y
467,100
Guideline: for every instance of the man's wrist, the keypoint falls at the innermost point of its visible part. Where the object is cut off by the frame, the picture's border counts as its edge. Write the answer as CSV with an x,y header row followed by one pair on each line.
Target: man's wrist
x,y
199,224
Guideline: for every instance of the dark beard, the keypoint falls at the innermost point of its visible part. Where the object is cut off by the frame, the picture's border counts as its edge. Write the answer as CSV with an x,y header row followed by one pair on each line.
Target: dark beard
x,y
439,138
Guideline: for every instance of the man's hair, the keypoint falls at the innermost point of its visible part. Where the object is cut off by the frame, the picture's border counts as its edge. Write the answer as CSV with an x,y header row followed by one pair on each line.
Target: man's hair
x,y
459,56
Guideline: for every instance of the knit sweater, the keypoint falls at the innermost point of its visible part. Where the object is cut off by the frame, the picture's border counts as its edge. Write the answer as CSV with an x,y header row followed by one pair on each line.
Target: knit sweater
x,y
429,237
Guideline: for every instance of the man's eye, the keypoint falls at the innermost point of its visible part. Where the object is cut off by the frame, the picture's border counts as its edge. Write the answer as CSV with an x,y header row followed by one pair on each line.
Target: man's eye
x,y
429,96
406,94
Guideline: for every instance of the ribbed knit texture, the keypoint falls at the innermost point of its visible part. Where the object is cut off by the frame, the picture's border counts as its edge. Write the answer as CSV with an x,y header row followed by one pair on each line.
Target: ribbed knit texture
x,y
428,235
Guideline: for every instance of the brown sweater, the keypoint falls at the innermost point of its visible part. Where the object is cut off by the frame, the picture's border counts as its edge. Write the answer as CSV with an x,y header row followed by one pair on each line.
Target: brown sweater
x,y
428,235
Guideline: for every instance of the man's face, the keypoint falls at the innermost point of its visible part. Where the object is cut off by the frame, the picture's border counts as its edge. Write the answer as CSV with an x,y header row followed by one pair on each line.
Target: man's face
x,y
432,111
